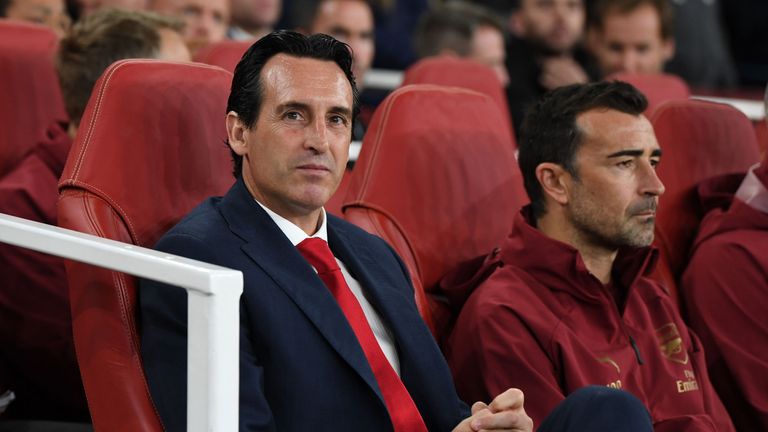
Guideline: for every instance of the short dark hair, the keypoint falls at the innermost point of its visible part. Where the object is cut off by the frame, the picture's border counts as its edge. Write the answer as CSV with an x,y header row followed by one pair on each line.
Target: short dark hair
x,y
550,132
452,26
99,40
247,91
4,5
602,8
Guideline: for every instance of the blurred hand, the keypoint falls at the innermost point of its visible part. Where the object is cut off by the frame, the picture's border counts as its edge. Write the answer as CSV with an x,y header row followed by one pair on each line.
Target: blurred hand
x,y
561,71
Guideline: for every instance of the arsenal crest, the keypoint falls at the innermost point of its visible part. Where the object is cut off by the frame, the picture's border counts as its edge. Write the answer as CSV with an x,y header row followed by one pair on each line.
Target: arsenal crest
x,y
671,344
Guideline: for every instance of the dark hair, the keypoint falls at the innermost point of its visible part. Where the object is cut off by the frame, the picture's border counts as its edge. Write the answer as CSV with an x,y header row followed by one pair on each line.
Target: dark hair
x,y
99,40
452,26
550,132
247,90
4,5
602,8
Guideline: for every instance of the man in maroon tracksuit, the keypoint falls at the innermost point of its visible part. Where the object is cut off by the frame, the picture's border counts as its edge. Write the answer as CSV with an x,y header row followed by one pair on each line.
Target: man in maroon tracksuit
x,y
566,301
725,291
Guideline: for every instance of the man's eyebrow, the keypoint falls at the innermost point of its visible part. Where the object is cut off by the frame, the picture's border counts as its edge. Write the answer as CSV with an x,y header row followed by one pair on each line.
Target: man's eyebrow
x,y
340,109
634,153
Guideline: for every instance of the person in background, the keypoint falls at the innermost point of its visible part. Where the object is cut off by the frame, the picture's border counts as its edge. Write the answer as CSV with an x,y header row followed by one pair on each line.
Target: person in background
x,y
50,13
465,30
544,51
37,358
252,19
631,36
724,290
206,21
566,301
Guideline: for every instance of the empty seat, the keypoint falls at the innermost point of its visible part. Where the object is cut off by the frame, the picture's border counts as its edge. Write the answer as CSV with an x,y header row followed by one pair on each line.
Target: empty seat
x,y
699,140
658,88
149,149
448,70
31,99
437,178
225,54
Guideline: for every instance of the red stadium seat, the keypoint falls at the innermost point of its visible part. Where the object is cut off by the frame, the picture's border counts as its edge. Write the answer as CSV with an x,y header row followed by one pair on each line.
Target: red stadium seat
x,y
31,99
150,148
658,88
436,178
761,129
699,140
452,71
225,54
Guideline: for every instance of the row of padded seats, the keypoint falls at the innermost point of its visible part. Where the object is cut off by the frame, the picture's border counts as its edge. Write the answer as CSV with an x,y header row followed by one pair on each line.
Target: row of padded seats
x,y
442,145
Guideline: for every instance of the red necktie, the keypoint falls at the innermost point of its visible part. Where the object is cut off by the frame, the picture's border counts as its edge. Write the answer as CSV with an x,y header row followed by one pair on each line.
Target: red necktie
x,y
402,411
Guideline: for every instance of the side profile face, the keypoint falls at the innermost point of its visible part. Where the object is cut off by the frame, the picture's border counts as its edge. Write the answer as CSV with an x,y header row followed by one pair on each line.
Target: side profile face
x,y
632,42
295,154
351,22
206,21
488,48
254,14
50,13
612,202
555,26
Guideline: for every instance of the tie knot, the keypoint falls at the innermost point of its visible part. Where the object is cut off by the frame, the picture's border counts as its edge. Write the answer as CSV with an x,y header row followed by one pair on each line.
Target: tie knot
x,y
316,251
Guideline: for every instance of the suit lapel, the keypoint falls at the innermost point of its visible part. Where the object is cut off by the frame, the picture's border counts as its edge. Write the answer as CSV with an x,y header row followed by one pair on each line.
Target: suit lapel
x,y
271,251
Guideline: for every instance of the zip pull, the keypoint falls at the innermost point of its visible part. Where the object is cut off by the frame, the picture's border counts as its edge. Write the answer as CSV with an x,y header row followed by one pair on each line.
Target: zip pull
x,y
637,350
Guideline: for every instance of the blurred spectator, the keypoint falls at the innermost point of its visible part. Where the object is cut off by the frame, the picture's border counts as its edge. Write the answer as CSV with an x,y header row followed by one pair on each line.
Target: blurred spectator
x,y
631,36
465,30
395,22
350,21
745,24
702,57
725,291
37,359
252,19
206,20
544,51
51,13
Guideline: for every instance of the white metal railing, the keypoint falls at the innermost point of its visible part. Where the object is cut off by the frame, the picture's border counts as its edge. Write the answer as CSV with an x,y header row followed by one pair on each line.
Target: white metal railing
x,y
214,293
383,79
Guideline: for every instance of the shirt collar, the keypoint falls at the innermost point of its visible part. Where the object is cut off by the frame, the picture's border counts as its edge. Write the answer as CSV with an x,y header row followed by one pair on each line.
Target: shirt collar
x,y
295,234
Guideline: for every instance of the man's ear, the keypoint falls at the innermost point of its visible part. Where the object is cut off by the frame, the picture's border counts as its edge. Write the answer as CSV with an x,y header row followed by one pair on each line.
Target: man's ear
x,y
554,181
517,24
668,49
236,134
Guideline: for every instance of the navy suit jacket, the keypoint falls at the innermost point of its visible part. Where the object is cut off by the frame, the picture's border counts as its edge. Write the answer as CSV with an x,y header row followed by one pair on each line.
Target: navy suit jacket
x,y
301,367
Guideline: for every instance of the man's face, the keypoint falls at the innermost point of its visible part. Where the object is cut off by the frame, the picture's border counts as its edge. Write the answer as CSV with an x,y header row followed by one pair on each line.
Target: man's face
x,y
295,154
256,13
488,48
632,42
49,13
612,202
206,20
351,22
555,26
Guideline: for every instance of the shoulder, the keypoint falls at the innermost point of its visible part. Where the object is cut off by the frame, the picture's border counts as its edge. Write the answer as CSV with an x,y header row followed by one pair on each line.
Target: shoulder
x,y
204,225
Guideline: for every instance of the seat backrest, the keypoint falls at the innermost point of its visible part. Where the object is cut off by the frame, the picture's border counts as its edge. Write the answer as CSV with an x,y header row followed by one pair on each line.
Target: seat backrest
x,y
657,88
761,130
452,71
699,140
225,54
150,148
436,178
30,97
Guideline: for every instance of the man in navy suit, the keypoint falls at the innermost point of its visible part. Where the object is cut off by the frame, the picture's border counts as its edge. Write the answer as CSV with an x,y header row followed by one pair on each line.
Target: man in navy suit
x,y
305,364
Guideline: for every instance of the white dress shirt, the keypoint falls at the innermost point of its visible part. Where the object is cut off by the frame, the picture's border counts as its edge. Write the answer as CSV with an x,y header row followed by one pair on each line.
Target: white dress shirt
x,y
296,235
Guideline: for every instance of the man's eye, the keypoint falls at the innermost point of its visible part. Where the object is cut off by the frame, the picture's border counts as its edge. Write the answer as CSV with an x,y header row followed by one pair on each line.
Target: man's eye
x,y
339,120
292,115
655,163
626,164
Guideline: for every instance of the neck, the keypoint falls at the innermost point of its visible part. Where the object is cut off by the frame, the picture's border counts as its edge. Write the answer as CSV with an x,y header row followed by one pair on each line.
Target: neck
x,y
598,259
256,31
308,220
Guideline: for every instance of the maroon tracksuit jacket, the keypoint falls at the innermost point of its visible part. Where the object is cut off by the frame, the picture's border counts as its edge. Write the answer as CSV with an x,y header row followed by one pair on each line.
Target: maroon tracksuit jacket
x,y
541,322
726,291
